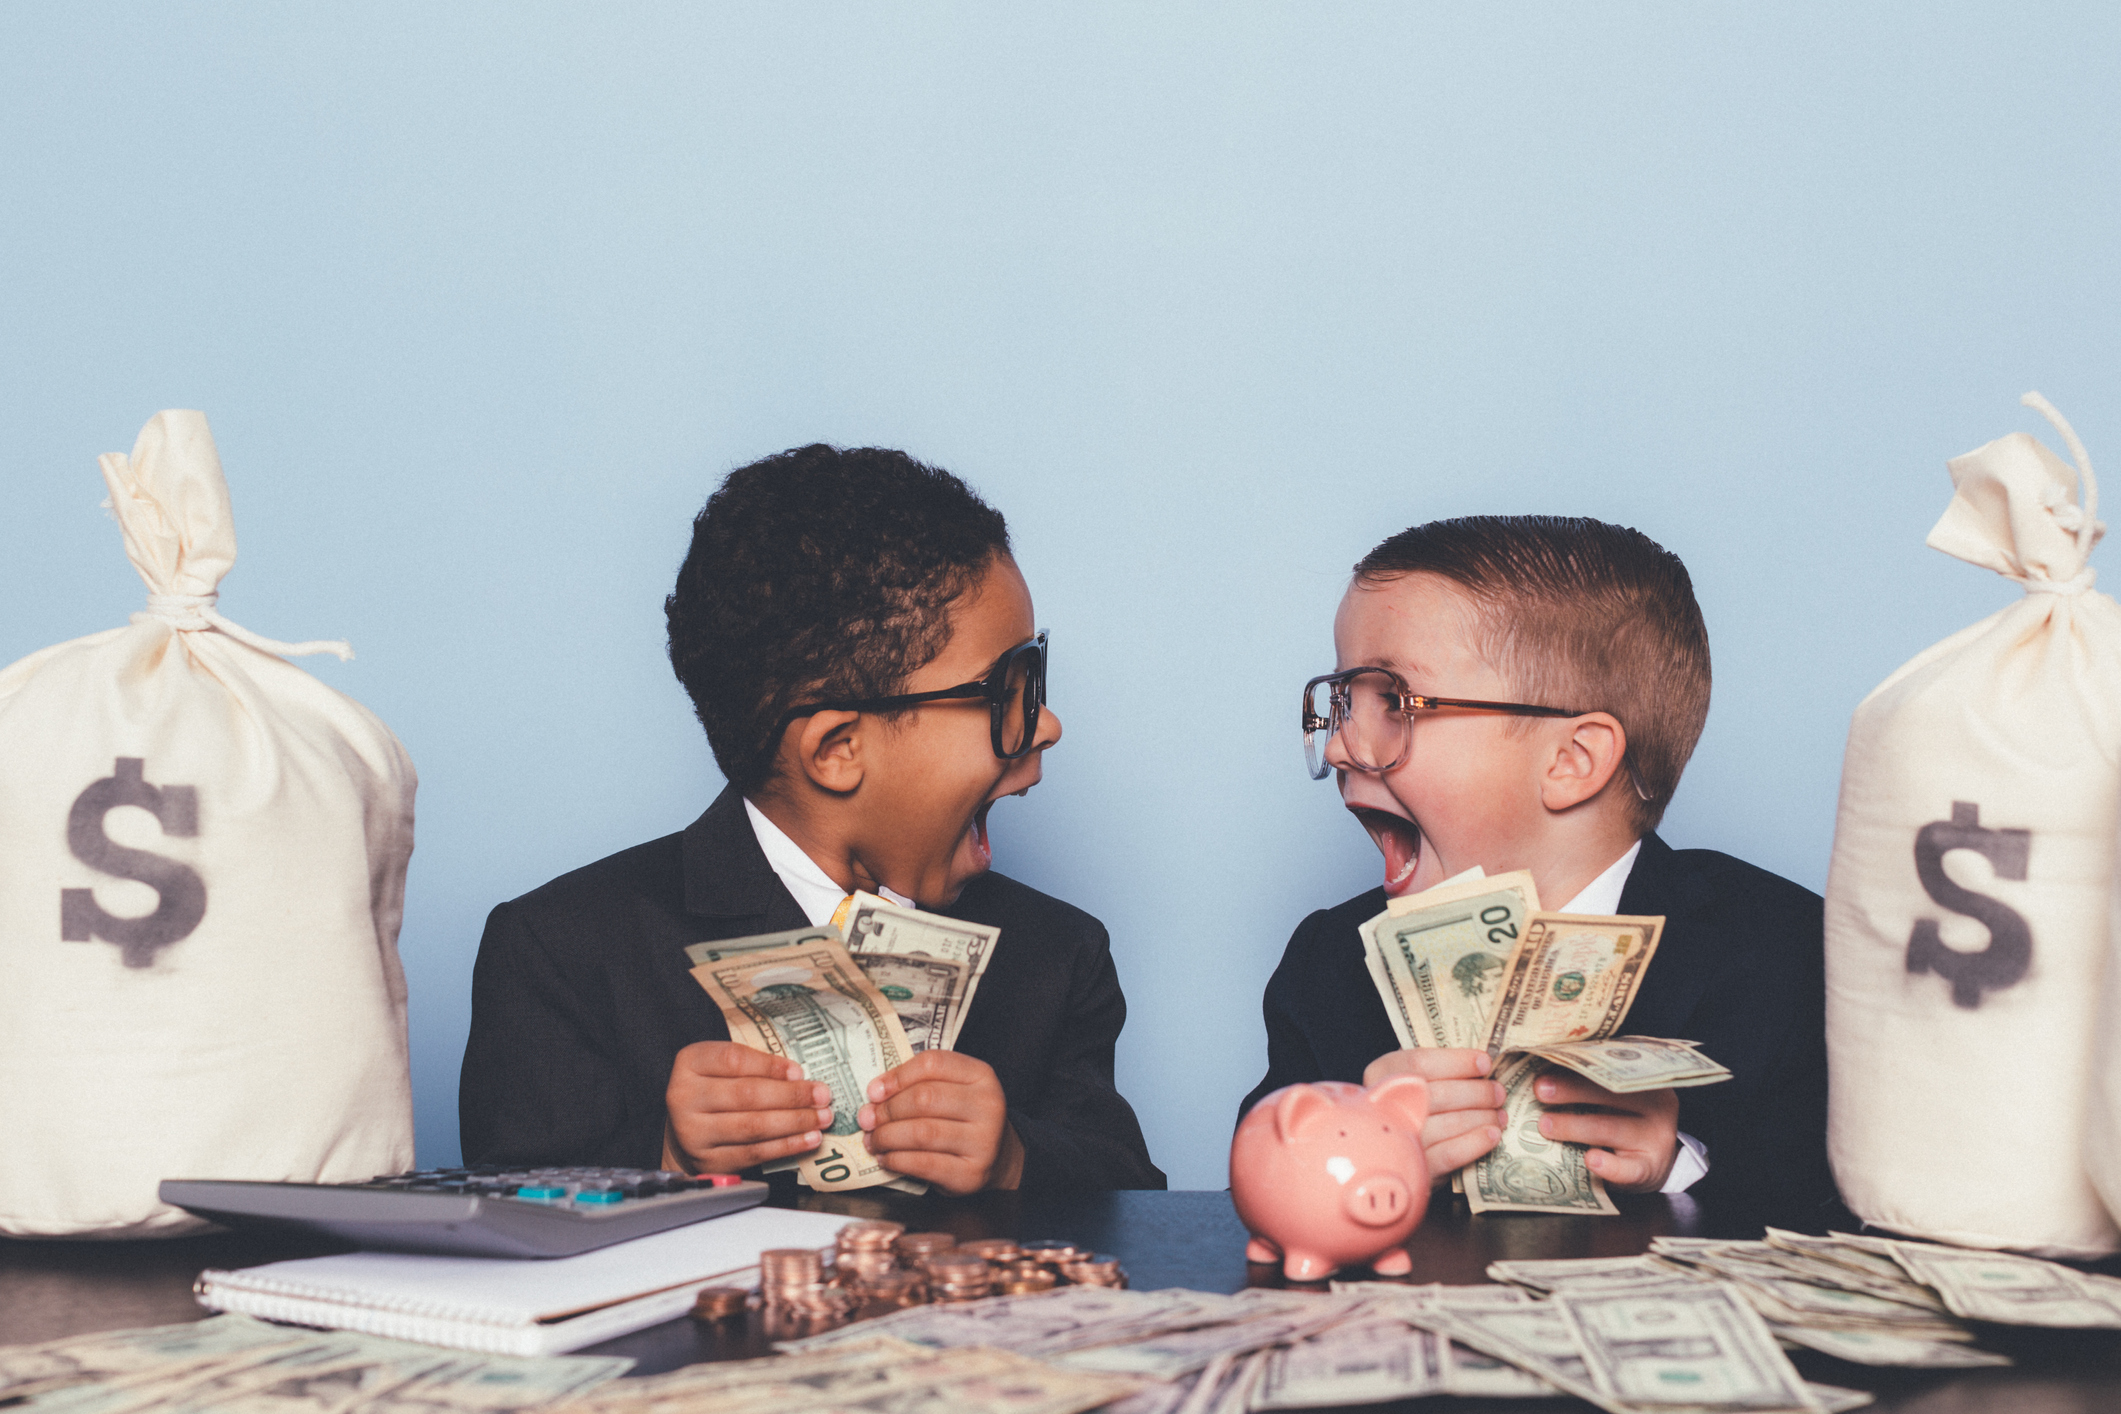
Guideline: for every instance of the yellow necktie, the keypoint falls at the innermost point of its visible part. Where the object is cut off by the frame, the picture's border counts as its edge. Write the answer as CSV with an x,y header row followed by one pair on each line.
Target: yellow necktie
x,y
839,915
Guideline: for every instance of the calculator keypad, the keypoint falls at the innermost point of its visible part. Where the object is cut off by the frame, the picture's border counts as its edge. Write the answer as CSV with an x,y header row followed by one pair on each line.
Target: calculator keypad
x,y
588,1190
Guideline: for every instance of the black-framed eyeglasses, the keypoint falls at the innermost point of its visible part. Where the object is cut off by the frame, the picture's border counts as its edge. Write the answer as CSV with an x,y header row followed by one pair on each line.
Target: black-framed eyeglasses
x,y
1372,712
1014,690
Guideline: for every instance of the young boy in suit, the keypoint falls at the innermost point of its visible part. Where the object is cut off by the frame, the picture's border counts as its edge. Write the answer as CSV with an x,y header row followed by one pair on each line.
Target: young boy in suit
x,y
1522,693
860,647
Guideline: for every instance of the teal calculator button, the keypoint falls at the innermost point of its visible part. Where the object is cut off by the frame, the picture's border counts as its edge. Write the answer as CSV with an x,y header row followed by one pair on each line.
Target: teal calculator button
x,y
541,1195
604,1199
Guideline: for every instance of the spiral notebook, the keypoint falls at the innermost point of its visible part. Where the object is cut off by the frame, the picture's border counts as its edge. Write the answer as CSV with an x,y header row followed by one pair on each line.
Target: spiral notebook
x,y
499,1306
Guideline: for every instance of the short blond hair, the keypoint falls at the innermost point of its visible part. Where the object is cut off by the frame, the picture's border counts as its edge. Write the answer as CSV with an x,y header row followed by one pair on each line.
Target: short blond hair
x,y
1580,614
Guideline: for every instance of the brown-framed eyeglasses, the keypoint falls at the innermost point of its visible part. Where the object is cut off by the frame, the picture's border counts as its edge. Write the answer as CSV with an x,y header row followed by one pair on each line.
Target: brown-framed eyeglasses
x,y
1372,712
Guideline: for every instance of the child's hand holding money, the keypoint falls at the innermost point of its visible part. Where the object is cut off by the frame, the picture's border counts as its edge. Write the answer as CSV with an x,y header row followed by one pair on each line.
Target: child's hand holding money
x,y
1633,1139
942,1116
734,1107
1465,1107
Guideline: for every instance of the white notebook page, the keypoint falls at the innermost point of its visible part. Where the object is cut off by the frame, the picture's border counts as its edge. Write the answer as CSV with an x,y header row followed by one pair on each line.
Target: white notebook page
x,y
506,1291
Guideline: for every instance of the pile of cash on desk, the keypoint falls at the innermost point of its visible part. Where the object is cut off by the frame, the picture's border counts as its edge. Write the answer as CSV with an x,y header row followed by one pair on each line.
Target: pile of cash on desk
x,y
1695,1325
237,1365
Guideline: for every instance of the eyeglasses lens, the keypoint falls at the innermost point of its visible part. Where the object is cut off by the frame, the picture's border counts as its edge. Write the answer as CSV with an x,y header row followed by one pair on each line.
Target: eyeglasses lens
x,y
1023,691
1362,709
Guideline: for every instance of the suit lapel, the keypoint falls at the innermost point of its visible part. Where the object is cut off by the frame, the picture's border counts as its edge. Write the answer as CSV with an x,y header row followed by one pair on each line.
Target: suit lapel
x,y
729,886
1662,884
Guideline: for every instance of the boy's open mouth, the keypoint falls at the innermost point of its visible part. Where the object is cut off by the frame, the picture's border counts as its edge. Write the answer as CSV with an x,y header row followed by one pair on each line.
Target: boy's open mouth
x,y
1398,839
981,846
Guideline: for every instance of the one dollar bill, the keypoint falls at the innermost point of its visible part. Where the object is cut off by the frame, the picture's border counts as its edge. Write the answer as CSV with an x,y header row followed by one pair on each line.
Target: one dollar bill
x,y
1526,1172
1629,1065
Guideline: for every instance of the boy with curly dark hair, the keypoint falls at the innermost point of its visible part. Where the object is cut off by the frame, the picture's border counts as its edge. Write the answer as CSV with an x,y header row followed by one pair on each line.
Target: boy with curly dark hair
x,y
860,647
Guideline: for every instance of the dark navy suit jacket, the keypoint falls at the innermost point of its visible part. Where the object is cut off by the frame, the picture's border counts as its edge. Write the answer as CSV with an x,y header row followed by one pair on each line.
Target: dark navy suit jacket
x,y
1740,968
582,996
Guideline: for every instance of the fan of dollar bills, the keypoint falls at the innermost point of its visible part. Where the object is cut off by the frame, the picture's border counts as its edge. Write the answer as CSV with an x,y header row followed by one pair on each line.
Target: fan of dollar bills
x,y
1474,963
848,1007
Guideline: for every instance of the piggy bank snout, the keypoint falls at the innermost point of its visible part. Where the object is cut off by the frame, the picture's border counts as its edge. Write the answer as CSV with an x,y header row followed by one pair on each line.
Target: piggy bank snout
x,y
1378,1200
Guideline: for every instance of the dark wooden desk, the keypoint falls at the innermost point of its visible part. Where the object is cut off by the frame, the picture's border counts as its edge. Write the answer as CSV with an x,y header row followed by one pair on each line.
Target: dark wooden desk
x,y
50,1289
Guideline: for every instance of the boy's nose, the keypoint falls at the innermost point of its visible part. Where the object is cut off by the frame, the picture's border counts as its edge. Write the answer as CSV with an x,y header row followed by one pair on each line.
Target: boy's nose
x,y
1337,752
1049,729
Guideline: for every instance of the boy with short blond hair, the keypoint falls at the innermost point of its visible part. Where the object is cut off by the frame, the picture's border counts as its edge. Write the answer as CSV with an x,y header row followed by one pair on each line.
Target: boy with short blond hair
x,y
1524,692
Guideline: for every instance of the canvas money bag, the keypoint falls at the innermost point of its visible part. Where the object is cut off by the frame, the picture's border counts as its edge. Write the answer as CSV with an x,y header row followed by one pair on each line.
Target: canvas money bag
x,y
202,873
1968,902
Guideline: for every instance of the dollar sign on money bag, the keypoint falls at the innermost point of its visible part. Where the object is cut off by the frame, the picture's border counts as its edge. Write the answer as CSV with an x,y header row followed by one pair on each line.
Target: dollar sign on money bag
x,y
2010,940
182,901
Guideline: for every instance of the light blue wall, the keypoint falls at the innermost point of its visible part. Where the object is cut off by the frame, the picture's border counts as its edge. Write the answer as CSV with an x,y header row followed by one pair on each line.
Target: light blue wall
x,y
483,299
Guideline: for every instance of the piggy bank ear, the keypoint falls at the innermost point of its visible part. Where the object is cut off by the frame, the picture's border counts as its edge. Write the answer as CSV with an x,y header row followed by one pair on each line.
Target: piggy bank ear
x,y
1302,1106
1404,1098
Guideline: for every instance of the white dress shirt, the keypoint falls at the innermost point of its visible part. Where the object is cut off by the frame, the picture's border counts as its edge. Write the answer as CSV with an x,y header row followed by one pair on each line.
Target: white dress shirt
x,y
1602,896
814,891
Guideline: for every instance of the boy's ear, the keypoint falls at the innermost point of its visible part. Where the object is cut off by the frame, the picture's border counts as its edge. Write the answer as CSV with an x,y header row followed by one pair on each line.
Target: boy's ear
x,y
1584,760
828,751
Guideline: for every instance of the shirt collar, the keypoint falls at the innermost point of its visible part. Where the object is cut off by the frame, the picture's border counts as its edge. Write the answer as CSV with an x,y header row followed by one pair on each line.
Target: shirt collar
x,y
814,890
1600,897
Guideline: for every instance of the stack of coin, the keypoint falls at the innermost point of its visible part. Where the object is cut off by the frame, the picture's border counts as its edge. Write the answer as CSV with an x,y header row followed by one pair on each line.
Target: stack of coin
x,y
720,1303
998,1250
1024,1279
1094,1269
1022,1269
894,1288
793,1279
793,1323
959,1276
914,1248
865,1253
1051,1251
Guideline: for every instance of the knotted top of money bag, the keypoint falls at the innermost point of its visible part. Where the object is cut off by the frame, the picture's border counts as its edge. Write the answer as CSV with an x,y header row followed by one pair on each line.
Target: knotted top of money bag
x,y
171,500
2016,510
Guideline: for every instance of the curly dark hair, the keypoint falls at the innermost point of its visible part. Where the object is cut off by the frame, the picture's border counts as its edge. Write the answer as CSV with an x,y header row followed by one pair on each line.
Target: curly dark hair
x,y
823,571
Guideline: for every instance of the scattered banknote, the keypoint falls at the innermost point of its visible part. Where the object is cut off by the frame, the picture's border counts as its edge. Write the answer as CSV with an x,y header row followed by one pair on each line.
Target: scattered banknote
x,y
1440,966
1698,1344
1526,1172
1365,1361
1046,1324
876,1374
1573,979
1165,1355
724,948
2006,1288
1820,1293
237,1365
1588,1274
1628,1065
812,1004
878,930
109,1355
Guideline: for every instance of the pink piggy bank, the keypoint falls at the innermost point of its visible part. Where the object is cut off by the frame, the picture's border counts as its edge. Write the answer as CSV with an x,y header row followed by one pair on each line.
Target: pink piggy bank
x,y
1330,1175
